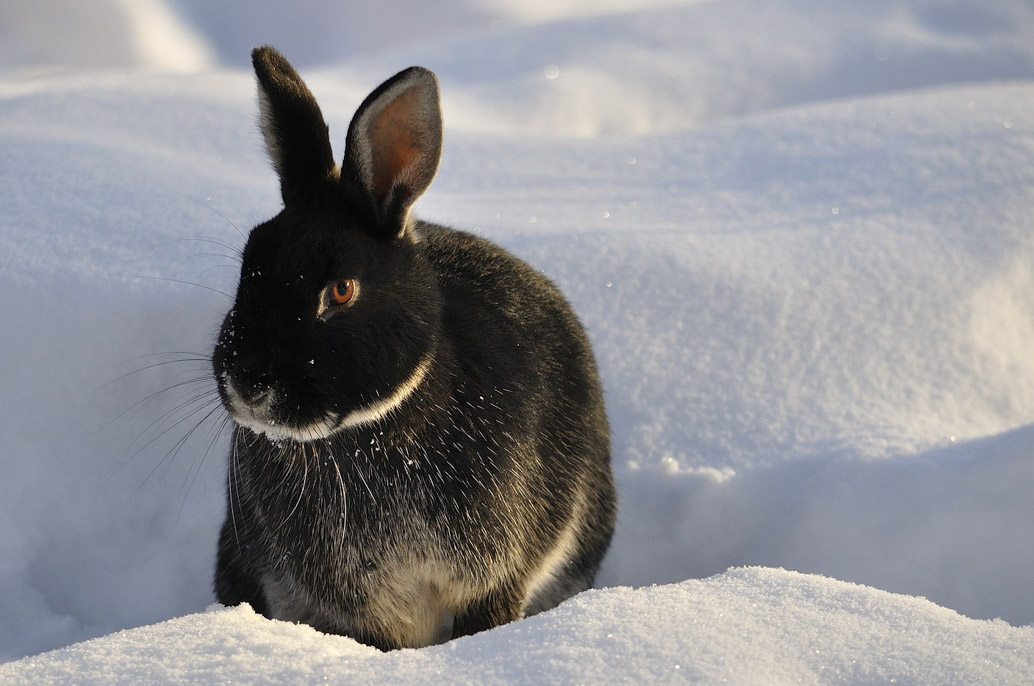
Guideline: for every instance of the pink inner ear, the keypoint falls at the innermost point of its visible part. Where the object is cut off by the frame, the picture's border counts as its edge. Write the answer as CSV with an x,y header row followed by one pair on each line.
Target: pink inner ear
x,y
395,137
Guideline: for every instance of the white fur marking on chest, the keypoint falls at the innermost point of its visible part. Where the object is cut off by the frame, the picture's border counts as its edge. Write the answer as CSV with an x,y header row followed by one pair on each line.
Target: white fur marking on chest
x,y
418,599
381,408
411,602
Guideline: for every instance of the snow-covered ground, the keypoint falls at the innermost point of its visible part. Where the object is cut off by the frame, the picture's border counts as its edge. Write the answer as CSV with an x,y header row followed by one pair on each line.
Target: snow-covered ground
x,y
800,232
748,626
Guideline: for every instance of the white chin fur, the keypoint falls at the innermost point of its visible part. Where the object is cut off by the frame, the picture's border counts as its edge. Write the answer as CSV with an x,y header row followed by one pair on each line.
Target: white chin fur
x,y
257,417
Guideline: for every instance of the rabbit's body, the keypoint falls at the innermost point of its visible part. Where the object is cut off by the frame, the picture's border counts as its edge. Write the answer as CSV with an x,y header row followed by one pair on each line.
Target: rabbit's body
x,y
421,449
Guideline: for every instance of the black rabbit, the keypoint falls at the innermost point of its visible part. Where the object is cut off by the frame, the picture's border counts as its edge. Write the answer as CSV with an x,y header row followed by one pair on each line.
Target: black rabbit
x,y
420,448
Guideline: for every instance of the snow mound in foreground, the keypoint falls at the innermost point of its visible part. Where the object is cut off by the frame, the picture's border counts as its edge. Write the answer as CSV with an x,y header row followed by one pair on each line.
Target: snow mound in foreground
x,y
753,625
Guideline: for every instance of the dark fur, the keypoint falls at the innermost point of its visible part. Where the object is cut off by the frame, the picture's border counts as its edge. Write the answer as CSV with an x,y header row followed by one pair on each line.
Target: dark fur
x,y
444,508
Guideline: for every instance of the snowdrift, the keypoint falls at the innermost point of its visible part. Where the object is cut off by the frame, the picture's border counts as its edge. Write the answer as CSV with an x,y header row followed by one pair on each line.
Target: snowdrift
x,y
763,626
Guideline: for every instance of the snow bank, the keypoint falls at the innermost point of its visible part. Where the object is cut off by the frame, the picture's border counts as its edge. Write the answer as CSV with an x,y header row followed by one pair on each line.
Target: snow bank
x,y
44,35
748,626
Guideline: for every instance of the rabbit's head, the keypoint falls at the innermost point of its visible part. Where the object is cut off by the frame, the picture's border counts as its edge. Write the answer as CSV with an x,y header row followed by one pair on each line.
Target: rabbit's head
x,y
337,312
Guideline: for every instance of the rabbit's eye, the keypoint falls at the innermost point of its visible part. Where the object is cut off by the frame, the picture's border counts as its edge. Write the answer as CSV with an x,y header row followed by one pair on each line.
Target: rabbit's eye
x,y
342,292
336,296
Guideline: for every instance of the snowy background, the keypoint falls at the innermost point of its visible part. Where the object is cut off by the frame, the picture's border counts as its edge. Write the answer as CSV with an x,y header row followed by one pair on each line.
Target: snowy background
x,y
800,233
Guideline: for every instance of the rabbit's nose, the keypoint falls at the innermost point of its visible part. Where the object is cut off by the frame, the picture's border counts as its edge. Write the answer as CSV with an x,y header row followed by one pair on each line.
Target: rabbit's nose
x,y
254,390
249,370
248,384
262,396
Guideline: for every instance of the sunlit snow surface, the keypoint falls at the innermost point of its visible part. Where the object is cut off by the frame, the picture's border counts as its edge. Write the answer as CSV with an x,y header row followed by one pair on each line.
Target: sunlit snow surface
x,y
801,235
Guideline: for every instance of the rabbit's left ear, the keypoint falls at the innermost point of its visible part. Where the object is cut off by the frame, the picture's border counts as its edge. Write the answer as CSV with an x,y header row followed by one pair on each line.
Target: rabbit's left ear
x,y
296,135
394,145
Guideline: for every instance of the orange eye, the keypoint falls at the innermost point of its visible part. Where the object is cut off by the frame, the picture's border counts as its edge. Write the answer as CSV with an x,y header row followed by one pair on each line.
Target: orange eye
x,y
335,297
341,292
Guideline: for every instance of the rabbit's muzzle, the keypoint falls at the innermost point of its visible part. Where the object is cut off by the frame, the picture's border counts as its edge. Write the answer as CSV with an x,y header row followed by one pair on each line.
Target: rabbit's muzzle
x,y
259,413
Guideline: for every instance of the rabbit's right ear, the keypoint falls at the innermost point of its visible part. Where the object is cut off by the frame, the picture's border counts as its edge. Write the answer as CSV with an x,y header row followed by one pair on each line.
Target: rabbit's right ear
x,y
394,145
296,135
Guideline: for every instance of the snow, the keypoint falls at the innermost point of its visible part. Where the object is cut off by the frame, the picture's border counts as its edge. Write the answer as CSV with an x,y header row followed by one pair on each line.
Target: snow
x,y
747,626
799,233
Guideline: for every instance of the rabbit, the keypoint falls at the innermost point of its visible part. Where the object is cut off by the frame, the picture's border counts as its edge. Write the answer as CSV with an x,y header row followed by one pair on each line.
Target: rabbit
x,y
420,449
